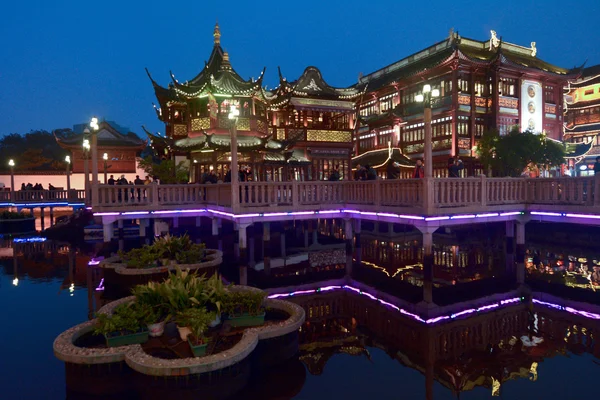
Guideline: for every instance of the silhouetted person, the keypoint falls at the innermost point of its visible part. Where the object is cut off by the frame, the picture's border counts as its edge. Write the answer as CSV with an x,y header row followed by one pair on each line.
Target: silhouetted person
x,y
393,170
111,180
455,168
597,166
360,174
371,173
335,174
419,171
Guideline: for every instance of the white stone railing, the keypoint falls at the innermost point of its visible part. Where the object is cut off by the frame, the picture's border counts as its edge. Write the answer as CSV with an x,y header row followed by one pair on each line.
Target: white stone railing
x,y
425,196
42,196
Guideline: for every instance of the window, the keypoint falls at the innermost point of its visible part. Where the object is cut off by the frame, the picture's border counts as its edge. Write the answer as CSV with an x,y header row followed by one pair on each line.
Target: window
x,y
368,108
549,95
385,135
588,92
506,87
463,85
386,102
479,89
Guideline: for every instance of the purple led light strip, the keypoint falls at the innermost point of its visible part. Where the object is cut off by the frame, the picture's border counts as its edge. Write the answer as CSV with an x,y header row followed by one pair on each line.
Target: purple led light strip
x,y
400,310
101,285
585,314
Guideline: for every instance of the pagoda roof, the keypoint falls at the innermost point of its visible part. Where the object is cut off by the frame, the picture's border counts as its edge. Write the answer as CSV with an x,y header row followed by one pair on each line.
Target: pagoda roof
x,y
587,128
383,118
107,136
573,150
311,85
217,77
589,76
381,157
473,51
583,104
222,142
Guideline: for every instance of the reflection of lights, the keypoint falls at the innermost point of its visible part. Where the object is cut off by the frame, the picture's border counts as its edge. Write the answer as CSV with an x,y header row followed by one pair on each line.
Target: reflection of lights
x,y
16,282
585,314
72,288
533,371
101,285
385,271
502,303
30,240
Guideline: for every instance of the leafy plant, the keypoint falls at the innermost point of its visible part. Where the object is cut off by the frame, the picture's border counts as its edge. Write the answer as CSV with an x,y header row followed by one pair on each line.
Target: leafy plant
x,y
177,248
144,257
126,318
239,302
197,319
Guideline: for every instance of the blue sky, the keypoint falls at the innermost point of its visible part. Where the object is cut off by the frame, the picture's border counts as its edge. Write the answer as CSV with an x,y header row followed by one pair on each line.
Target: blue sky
x,y
64,61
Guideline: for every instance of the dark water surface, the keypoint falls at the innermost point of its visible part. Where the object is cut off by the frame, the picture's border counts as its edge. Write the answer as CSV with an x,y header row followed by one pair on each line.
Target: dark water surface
x,y
342,359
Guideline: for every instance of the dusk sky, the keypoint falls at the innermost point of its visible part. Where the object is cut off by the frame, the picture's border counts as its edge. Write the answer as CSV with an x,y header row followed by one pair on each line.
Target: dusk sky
x,y
63,62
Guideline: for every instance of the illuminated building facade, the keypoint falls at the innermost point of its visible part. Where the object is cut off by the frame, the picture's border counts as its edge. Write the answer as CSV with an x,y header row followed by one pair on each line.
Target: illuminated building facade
x,y
582,121
304,128
300,130
482,85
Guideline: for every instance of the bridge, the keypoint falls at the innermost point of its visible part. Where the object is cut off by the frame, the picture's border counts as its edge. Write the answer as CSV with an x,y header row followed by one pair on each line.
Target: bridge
x,y
436,201
42,198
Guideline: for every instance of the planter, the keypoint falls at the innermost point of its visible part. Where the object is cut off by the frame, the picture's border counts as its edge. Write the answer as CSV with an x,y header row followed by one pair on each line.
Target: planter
x,y
124,340
17,226
197,350
216,321
157,329
246,319
184,332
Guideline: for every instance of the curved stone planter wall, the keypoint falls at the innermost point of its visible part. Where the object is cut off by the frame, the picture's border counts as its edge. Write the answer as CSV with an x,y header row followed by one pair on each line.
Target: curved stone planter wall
x,y
119,279
66,350
17,226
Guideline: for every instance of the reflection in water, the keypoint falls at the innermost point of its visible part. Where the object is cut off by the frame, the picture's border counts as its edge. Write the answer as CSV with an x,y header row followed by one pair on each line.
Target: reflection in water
x,y
349,342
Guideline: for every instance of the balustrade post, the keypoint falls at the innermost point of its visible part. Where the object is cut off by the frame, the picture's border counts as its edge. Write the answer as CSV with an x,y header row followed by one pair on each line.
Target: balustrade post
x,y
295,196
378,192
484,191
428,195
154,193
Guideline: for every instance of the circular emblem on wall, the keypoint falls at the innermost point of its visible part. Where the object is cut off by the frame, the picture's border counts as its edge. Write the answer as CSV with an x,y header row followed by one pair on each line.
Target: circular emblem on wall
x,y
531,107
531,124
531,91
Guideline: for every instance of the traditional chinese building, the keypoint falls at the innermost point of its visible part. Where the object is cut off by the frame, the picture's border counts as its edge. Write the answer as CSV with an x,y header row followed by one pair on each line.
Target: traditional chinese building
x,y
482,85
300,130
121,146
582,121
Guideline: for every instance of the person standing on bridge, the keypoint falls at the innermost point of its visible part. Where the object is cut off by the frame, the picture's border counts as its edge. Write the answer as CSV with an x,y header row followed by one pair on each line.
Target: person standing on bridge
x,y
419,171
455,167
597,166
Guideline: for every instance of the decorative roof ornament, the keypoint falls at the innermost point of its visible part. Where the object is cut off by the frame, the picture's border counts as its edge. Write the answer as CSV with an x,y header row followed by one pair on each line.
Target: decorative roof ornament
x,y
494,41
312,86
217,34
225,64
533,49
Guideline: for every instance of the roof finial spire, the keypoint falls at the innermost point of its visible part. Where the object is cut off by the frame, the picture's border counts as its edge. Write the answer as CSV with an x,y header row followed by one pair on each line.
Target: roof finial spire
x,y
225,64
217,34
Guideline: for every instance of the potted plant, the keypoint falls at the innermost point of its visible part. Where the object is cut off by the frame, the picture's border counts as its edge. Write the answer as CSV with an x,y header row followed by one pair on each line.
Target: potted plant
x,y
153,306
124,327
244,308
196,321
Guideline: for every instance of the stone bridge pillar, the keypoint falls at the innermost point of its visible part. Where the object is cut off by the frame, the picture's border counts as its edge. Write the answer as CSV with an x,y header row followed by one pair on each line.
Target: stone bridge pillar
x,y
510,248
108,228
521,251
348,234
241,235
357,245
427,232
267,247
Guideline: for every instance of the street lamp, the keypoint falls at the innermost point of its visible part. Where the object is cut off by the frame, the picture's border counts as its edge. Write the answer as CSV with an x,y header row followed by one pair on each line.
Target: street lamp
x,y
233,115
68,162
94,126
86,163
11,164
425,98
105,158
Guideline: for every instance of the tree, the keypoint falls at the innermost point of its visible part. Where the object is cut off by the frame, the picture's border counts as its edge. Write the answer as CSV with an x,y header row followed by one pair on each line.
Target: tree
x,y
36,150
511,154
165,170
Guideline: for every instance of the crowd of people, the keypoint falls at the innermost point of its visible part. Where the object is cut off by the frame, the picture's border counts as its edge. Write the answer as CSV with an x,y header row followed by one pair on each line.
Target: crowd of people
x,y
368,173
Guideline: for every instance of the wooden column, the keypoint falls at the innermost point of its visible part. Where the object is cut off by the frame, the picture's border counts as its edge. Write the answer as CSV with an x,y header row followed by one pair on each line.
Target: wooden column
x,y
455,90
473,118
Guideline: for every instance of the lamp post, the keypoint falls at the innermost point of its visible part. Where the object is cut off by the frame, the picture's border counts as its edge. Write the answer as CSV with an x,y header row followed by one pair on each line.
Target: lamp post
x,y
425,98
235,200
94,126
68,162
86,165
105,158
11,164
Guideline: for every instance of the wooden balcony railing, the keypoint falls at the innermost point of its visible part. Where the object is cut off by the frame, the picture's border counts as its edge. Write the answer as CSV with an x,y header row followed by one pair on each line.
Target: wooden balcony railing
x,y
424,196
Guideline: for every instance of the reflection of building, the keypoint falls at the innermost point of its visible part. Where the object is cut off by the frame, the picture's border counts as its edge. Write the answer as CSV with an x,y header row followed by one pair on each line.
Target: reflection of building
x,y
483,350
582,124
121,147
489,84
301,129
